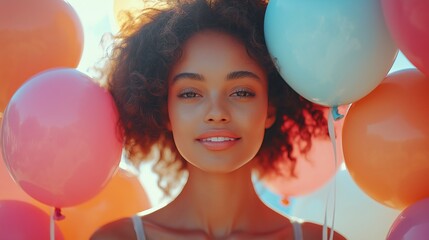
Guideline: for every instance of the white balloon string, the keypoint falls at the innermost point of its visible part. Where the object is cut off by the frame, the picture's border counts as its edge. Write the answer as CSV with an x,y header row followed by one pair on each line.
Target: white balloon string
x,y
56,215
334,115
325,225
52,225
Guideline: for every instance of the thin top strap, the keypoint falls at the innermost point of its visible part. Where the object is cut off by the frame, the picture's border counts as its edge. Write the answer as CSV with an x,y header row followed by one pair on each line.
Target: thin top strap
x,y
138,227
297,229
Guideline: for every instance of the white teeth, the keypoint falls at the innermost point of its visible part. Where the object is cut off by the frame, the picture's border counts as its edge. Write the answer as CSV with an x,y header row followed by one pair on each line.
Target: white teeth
x,y
217,139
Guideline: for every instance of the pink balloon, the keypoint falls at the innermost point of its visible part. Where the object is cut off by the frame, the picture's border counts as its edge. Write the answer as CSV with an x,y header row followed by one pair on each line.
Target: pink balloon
x,y
23,221
8,188
412,223
407,21
312,171
60,138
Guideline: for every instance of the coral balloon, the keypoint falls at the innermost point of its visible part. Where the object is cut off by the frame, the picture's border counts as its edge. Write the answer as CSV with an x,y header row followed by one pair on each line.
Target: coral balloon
x,y
331,52
412,223
22,221
36,36
122,197
310,173
60,138
408,21
386,139
312,170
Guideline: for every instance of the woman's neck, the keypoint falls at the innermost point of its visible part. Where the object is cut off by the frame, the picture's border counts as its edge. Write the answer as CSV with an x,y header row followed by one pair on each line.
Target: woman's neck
x,y
219,204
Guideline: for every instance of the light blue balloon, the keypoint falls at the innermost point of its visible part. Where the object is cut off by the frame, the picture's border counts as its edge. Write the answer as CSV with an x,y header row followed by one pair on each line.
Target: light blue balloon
x,y
332,52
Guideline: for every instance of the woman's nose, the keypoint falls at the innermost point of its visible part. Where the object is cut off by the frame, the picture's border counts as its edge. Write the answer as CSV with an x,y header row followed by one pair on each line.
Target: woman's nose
x,y
217,111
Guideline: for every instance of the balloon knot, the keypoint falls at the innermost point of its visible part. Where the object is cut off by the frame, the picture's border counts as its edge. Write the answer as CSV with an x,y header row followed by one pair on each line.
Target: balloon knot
x,y
335,114
285,201
58,215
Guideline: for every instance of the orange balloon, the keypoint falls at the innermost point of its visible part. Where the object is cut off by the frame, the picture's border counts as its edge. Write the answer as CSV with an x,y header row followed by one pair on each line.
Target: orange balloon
x,y
122,197
386,140
35,36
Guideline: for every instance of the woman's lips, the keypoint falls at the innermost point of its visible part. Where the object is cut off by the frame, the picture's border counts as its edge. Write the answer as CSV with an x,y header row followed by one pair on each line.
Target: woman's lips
x,y
218,140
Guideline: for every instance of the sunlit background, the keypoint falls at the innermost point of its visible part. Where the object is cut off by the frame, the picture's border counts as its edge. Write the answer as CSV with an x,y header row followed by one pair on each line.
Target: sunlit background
x,y
97,17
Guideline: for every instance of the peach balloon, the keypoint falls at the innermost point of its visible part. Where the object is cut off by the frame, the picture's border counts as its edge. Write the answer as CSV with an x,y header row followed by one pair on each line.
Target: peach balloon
x,y
386,140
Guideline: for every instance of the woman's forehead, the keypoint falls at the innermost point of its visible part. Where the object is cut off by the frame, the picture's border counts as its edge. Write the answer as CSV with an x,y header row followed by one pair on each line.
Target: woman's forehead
x,y
213,50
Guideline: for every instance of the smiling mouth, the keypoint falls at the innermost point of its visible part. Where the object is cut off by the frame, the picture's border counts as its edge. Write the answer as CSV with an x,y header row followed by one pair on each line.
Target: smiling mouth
x,y
218,139
218,143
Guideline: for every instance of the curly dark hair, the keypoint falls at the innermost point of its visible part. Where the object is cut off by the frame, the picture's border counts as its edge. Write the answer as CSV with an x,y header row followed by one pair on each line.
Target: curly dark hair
x,y
148,46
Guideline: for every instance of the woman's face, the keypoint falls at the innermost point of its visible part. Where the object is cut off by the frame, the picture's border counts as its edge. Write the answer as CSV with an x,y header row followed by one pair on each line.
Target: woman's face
x,y
217,103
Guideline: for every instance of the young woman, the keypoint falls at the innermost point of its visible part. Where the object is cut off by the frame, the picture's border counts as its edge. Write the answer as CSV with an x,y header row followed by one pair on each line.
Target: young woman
x,y
197,90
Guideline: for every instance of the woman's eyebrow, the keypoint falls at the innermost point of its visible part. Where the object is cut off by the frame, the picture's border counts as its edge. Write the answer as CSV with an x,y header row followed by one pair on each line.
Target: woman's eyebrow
x,y
231,76
188,75
242,74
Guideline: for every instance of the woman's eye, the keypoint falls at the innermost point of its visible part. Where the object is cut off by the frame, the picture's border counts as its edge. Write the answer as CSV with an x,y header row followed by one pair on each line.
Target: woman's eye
x,y
188,95
243,93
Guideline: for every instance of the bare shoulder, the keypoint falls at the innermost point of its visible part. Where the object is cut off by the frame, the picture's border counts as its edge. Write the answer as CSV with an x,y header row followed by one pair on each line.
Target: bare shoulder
x,y
315,231
116,230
